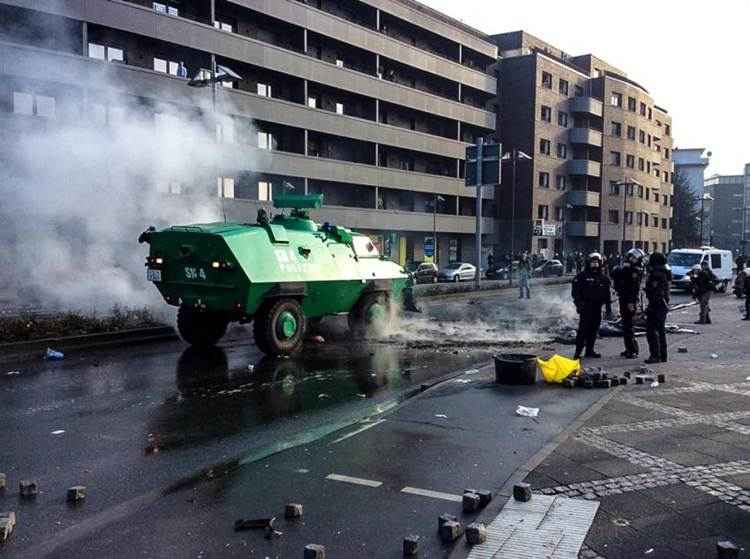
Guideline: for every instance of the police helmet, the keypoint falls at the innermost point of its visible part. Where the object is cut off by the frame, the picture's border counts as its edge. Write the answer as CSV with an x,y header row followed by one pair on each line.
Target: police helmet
x,y
594,260
635,255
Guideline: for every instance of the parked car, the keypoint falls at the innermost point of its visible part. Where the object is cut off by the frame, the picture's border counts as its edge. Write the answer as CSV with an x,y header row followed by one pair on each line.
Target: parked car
x,y
683,260
426,272
501,272
458,271
548,269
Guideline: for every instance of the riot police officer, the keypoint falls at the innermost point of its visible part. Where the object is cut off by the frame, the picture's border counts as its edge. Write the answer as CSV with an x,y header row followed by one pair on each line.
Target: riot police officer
x,y
627,278
657,292
590,292
703,283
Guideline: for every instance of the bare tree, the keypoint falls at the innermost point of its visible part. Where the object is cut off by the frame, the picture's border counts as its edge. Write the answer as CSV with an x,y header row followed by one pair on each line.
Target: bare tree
x,y
686,216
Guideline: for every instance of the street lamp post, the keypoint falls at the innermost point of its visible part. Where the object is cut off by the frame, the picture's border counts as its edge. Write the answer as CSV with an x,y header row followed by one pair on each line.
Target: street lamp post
x,y
705,198
434,227
513,156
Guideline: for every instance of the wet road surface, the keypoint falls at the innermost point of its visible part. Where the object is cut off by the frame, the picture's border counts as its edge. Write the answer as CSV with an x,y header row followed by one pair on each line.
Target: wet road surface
x,y
134,424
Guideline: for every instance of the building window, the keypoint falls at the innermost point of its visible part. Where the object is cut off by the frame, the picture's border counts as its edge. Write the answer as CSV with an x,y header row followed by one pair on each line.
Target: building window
x,y
663,223
579,91
34,105
166,66
640,191
225,187
615,99
631,104
665,200
641,164
265,191
614,188
650,114
614,216
629,218
543,179
23,103
654,221
165,8
666,176
667,130
562,119
563,87
666,153
109,54
223,26
615,158
648,167
630,161
542,212
648,142
657,173
561,182
616,129
265,140
546,113
264,89
643,109
648,194
545,146
639,219
559,213
642,136
631,133
340,109
547,80
313,103
562,151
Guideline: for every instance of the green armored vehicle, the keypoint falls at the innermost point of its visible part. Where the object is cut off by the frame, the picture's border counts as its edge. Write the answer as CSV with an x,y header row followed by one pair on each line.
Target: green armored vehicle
x,y
282,274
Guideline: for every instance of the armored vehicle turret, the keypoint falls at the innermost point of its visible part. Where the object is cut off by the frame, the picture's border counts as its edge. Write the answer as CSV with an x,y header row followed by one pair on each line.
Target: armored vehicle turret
x,y
282,274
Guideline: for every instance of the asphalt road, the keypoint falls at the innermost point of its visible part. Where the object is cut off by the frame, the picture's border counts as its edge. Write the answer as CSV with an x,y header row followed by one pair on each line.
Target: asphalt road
x,y
173,444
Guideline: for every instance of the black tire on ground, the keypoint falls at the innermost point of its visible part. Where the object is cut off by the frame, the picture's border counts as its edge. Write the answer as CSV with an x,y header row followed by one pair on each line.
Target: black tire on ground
x,y
359,324
266,327
201,329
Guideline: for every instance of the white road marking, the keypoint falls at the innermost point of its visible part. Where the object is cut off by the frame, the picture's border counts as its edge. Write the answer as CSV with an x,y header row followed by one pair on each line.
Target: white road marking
x,y
354,480
432,494
358,431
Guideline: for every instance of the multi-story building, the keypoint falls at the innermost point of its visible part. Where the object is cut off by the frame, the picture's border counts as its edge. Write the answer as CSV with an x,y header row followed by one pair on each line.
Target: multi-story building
x,y
730,209
590,131
370,102
691,163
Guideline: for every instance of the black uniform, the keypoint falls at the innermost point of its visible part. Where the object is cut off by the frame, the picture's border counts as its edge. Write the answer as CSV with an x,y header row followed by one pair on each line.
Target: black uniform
x,y
590,292
747,295
703,284
627,280
657,293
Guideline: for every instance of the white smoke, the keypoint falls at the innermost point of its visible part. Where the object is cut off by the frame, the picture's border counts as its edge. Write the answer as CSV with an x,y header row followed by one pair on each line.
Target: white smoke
x,y
76,194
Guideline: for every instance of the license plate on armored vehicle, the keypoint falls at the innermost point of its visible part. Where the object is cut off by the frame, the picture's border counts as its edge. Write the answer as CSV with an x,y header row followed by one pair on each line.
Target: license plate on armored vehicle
x,y
153,275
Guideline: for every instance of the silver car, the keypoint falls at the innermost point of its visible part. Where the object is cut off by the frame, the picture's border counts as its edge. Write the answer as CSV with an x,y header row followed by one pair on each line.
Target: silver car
x,y
458,271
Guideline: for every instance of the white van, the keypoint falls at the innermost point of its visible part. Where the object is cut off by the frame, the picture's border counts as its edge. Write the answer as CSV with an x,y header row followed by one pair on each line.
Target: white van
x,y
682,260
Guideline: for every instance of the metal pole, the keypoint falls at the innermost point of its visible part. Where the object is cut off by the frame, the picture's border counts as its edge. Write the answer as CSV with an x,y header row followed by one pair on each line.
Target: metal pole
x,y
478,241
434,231
702,203
624,202
514,157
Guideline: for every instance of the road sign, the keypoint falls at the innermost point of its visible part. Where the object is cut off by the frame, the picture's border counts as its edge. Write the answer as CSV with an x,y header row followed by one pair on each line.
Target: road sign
x,y
491,156
429,246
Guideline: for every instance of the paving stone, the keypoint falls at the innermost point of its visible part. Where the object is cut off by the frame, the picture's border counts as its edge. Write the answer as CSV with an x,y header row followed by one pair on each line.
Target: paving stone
x,y
314,551
3,481
485,497
28,489
443,518
476,533
293,510
411,545
471,502
76,493
450,531
7,524
522,492
727,550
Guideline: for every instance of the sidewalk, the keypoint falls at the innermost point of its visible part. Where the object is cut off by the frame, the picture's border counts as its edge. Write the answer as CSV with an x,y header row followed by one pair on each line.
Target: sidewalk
x,y
669,466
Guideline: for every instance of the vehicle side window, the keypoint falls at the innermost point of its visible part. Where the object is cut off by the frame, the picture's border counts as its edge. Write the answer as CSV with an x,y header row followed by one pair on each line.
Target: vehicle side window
x,y
716,260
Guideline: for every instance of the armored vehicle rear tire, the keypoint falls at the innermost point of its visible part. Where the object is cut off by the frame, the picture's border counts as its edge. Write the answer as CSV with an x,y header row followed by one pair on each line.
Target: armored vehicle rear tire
x,y
370,315
279,327
201,329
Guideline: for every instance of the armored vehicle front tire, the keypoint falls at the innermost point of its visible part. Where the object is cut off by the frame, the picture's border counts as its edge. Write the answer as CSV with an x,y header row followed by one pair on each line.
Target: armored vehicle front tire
x,y
370,315
279,327
201,329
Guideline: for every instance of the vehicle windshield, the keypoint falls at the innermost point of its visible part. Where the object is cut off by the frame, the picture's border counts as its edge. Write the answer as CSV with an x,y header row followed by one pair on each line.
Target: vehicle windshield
x,y
684,259
454,266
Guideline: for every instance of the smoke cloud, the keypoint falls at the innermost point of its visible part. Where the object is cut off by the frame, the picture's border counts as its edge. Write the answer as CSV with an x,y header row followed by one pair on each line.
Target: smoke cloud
x,y
76,193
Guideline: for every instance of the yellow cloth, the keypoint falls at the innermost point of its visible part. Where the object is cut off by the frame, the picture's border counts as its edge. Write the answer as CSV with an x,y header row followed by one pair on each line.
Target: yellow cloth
x,y
557,368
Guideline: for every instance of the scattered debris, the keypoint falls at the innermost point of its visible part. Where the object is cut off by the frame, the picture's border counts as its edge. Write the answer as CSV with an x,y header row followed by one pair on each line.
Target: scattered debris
x,y
54,355
441,416
323,396
58,432
527,412
411,545
314,551
76,493
28,489
662,378
622,522
471,372
13,373
471,502
251,368
254,524
293,510
443,518
271,533
727,550
476,533
714,356
3,481
7,523
655,384
682,349
450,531
649,551
484,497
462,381
522,492
318,340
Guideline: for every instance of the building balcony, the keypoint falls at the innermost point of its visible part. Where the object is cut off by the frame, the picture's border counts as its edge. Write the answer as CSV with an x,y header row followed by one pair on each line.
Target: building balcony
x,y
584,167
584,198
587,105
582,228
585,136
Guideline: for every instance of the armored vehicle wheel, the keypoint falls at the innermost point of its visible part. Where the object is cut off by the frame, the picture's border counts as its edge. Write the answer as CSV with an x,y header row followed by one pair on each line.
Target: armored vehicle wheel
x,y
370,315
200,329
279,327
